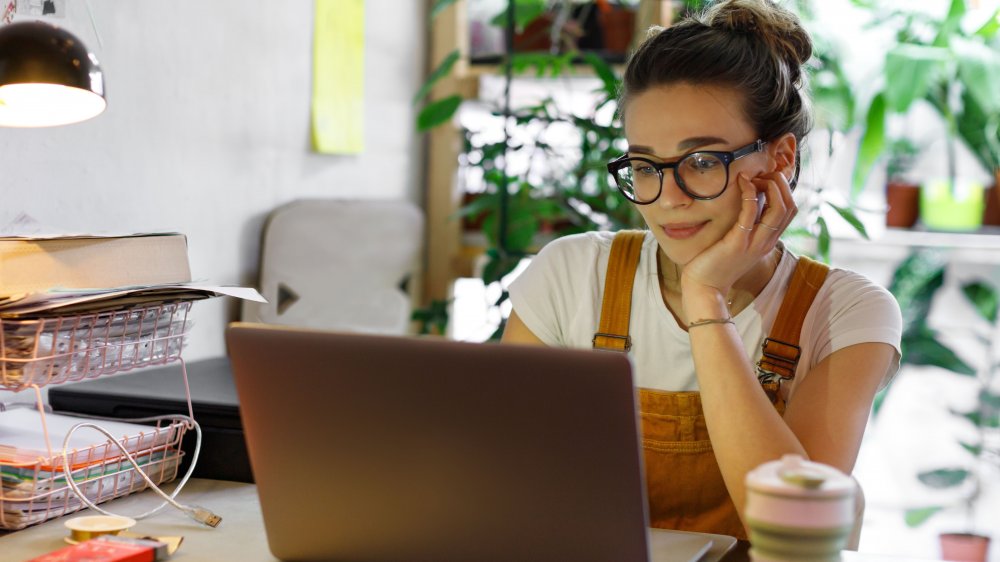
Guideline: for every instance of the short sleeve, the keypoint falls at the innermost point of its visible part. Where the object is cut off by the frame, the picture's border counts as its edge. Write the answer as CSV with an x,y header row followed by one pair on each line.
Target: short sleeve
x,y
851,310
546,293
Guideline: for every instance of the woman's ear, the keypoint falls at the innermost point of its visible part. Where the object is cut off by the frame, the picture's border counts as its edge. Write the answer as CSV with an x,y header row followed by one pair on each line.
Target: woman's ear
x,y
783,153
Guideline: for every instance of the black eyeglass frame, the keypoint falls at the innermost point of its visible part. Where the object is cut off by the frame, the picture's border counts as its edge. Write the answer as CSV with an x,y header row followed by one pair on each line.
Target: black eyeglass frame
x,y
727,158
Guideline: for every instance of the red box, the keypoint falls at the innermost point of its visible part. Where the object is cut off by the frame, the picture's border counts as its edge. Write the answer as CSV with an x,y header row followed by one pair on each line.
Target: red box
x,y
96,550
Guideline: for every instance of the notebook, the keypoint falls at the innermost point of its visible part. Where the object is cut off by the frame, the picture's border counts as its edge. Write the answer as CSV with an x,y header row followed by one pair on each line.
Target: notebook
x,y
393,448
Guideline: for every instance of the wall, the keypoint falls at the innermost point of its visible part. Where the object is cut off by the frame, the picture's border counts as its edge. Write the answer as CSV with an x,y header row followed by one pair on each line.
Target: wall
x,y
207,130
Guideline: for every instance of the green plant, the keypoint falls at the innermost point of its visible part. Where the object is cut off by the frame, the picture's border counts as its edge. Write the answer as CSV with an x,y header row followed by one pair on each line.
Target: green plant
x,y
939,61
915,284
902,152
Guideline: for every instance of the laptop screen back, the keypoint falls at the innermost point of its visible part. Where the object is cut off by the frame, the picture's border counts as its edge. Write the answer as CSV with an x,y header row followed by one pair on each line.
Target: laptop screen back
x,y
389,448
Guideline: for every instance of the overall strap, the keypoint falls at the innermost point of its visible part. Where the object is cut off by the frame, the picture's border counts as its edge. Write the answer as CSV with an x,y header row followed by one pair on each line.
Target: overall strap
x,y
616,307
781,348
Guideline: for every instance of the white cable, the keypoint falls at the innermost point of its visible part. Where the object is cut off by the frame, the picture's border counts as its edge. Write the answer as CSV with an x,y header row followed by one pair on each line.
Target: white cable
x,y
197,513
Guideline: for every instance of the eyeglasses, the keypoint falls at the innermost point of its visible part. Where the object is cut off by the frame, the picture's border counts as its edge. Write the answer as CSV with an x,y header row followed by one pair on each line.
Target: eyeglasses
x,y
701,175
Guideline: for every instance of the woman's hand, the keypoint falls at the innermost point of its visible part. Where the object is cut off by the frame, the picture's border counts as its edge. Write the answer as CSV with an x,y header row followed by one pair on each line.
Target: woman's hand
x,y
748,242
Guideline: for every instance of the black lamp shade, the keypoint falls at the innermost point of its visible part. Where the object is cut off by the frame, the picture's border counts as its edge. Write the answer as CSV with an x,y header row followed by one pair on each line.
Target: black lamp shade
x,y
47,77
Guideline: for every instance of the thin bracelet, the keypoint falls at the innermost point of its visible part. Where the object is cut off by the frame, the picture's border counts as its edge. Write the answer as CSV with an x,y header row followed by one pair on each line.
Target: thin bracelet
x,y
697,323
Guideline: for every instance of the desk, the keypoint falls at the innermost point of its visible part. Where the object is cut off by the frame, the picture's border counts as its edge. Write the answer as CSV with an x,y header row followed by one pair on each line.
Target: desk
x,y
240,536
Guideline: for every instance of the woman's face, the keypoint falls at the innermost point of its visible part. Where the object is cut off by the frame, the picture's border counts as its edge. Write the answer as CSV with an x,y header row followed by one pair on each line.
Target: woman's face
x,y
665,123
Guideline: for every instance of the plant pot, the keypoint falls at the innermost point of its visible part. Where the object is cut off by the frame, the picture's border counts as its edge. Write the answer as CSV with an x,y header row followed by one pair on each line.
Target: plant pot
x,y
903,202
618,27
991,212
958,209
965,547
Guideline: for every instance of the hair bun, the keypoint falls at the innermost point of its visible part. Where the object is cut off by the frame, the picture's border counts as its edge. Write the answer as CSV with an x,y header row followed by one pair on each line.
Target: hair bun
x,y
777,27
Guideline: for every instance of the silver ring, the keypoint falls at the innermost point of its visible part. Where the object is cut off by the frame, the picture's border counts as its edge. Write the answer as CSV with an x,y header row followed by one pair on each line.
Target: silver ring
x,y
744,228
769,227
749,198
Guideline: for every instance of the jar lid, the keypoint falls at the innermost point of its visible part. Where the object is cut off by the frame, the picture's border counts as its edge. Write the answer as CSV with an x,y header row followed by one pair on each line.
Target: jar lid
x,y
795,476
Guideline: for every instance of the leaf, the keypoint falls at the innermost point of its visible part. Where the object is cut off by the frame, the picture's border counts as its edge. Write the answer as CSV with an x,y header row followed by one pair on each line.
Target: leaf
x,y
952,23
917,517
914,283
989,29
498,266
974,449
849,216
923,348
438,112
979,71
440,72
823,240
943,477
524,12
984,298
439,6
908,71
871,145
604,72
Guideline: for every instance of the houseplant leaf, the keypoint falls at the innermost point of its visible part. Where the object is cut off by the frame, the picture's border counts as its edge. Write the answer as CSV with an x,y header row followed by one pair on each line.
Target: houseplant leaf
x,y
872,143
437,112
990,27
979,71
524,12
916,517
914,284
823,240
908,72
604,72
943,477
438,73
849,216
984,298
922,347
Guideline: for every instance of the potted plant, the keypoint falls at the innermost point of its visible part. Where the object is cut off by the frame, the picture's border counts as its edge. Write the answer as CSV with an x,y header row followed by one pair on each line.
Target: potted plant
x,y
902,192
957,72
915,284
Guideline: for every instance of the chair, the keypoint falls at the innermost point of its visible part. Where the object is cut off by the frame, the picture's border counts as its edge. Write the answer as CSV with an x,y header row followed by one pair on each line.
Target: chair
x,y
338,265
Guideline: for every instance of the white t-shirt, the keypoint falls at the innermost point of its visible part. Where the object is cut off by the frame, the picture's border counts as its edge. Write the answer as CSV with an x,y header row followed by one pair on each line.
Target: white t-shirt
x,y
559,295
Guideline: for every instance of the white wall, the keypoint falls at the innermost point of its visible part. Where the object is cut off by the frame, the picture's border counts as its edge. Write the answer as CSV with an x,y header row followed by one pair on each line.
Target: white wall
x,y
207,130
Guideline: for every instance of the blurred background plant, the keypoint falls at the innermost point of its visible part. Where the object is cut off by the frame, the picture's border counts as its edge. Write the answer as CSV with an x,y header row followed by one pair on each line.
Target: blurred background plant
x,y
917,283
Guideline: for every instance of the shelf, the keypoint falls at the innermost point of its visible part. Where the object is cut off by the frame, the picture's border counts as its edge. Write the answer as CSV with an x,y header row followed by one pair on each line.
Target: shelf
x,y
982,246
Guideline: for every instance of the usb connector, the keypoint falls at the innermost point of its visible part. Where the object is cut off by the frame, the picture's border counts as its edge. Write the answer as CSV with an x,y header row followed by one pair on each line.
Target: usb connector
x,y
204,516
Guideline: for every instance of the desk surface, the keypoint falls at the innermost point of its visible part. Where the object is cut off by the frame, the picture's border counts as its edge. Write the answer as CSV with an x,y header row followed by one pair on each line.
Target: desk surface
x,y
240,536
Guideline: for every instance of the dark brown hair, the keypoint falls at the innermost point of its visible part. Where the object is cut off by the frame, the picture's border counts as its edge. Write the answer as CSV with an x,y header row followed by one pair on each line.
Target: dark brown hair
x,y
753,46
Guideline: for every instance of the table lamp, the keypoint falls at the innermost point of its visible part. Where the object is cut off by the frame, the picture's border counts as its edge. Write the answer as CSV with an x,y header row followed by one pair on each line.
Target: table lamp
x,y
47,77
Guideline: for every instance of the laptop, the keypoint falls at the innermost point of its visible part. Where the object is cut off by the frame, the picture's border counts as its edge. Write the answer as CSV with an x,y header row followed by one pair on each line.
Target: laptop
x,y
372,447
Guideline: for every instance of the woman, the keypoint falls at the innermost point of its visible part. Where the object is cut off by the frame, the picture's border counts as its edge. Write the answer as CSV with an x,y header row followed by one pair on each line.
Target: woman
x,y
714,120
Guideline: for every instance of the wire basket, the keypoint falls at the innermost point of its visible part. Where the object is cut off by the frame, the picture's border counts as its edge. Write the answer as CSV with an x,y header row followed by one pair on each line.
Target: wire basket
x,y
37,490
52,350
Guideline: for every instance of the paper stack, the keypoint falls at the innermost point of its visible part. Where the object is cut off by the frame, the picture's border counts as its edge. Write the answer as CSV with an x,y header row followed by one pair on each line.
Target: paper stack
x,y
34,481
80,306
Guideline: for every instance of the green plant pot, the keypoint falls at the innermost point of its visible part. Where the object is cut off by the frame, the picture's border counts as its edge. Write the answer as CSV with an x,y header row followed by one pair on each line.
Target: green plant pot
x,y
942,208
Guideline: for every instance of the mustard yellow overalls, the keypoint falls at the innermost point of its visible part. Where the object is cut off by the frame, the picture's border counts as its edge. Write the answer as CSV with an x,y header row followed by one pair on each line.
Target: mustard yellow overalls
x,y
684,485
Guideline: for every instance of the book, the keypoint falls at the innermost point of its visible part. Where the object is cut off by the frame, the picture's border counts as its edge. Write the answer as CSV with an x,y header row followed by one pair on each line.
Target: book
x,y
41,264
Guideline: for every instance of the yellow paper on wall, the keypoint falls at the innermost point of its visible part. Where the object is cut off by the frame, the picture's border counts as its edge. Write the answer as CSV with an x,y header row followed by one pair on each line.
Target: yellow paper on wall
x,y
338,77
